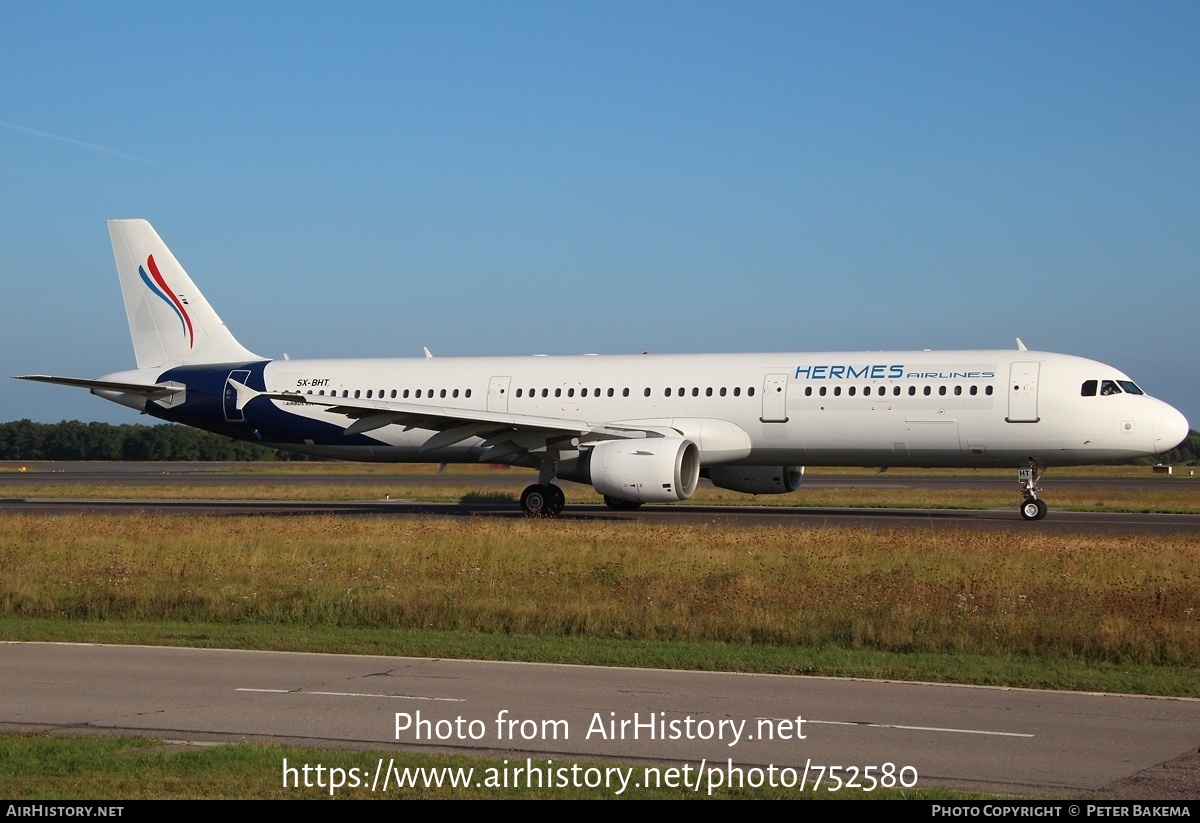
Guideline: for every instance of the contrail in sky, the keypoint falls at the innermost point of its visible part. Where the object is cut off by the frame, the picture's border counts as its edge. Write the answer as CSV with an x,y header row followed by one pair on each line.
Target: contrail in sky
x,y
74,142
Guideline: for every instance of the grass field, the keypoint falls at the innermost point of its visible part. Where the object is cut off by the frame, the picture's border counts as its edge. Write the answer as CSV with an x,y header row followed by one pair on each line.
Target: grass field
x,y
1083,611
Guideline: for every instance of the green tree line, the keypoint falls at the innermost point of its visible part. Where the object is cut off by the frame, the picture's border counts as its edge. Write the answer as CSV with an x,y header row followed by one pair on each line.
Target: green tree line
x,y
73,440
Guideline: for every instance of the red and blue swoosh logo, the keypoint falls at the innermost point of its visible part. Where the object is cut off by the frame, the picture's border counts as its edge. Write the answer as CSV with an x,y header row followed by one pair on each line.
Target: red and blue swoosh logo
x,y
159,287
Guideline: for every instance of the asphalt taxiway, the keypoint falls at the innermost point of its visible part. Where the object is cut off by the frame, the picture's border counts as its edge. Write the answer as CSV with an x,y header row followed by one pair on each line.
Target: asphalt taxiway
x,y
199,476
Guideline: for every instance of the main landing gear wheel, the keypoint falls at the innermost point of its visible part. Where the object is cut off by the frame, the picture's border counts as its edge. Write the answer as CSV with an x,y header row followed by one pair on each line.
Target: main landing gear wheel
x,y
620,504
557,500
542,501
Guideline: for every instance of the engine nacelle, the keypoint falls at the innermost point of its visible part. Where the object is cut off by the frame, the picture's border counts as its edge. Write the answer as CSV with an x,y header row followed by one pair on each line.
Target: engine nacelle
x,y
757,479
650,470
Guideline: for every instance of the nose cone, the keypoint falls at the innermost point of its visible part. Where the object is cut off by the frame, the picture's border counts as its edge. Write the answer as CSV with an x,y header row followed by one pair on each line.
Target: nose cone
x,y
1170,428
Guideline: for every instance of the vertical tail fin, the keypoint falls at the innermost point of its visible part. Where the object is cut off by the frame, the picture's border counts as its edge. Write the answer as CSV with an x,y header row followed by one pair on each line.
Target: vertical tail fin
x,y
169,319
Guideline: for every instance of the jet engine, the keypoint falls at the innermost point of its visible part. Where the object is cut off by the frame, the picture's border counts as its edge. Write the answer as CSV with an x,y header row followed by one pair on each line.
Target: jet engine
x,y
757,479
651,470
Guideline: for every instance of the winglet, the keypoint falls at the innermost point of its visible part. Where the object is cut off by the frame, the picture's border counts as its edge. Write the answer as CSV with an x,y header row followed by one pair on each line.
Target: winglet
x,y
1020,345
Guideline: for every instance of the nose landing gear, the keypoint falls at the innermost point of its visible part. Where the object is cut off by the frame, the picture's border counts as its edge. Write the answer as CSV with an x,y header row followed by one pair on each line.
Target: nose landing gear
x,y
1033,508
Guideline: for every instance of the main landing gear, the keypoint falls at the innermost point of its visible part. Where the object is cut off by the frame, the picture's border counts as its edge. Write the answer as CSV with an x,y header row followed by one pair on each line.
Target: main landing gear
x,y
620,505
1033,508
543,500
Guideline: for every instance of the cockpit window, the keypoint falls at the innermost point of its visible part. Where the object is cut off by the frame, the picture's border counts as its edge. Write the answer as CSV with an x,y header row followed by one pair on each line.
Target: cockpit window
x,y
1108,387
1130,387
1089,388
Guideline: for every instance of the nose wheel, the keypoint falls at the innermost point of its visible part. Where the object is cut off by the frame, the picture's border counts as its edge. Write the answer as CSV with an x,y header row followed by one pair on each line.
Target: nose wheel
x,y
1033,508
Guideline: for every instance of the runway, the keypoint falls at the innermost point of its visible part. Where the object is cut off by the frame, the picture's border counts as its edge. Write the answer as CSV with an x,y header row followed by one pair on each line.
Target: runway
x,y
997,740
200,475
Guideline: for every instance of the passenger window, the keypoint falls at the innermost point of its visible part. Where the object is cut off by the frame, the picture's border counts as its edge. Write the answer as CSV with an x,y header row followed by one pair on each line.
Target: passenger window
x,y
708,392
667,391
942,390
647,391
570,392
837,391
928,391
912,390
823,388
624,392
468,393
737,391
610,392
356,393
722,391
867,391
405,395
957,390
988,391
750,392
808,391
456,392
974,390
545,392
896,391
695,391
851,391
558,392
443,393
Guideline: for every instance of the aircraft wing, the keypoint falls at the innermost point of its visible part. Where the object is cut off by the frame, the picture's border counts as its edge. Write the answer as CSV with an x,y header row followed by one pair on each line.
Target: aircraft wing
x,y
152,391
503,433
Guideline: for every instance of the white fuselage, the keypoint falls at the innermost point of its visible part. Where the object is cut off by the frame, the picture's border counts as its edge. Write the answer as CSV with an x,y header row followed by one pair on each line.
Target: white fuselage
x,y
944,408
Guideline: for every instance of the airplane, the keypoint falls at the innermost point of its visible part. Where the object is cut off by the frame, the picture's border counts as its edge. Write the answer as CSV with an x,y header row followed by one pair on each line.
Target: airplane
x,y
637,428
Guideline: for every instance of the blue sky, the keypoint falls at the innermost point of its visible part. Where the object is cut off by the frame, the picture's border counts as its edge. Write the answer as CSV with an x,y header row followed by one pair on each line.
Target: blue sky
x,y
358,179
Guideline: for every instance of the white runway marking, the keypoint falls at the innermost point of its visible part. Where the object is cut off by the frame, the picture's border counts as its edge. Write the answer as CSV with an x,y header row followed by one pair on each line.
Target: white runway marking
x,y
356,694
915,728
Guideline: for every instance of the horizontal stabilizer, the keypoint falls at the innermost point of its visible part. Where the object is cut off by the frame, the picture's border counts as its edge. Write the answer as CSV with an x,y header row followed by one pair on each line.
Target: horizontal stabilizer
x,y
152,391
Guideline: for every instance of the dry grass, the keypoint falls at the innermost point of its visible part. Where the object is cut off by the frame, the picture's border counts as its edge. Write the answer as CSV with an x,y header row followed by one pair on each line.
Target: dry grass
x,y
1093,598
